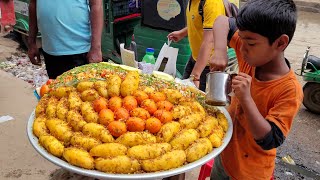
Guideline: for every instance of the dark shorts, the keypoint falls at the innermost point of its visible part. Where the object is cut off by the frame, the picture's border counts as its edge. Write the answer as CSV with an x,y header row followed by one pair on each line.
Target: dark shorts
x,y
56,65
217,171
203,77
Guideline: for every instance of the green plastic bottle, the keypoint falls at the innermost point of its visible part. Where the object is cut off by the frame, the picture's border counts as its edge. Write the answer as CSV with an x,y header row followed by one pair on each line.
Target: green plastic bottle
x,y
149,58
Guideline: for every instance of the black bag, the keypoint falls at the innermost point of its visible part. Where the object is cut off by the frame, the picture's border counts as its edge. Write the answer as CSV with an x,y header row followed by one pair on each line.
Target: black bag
x,y
230,8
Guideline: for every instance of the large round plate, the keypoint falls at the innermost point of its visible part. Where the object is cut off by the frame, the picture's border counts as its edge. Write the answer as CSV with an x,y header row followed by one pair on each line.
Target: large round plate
x,y
101,175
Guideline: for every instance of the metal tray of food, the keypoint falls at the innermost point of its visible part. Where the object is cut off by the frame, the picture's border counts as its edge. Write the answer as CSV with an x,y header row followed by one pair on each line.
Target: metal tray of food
x,y
156,175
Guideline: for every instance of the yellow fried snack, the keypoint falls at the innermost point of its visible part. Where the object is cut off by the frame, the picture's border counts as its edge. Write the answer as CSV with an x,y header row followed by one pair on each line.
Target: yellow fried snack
x,y
130,84
89,95
74,101
223,122
173,95
191,121
100,84
184,139
59,129
84,142
52,107
75,120
88,112
195,107
108,150
119,165
84,85
167,161
42,106
78,157
39,127
131,139
148,89
198,149
168,131
101,87
97,131
62,91
205,128
179,111
215,140
62,108
114,83
148,151
52,145
219,131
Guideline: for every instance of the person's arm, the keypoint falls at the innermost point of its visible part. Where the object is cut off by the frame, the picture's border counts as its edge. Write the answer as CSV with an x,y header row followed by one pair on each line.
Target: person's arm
x,y
176,36
221,29
33,51
96,20
204,54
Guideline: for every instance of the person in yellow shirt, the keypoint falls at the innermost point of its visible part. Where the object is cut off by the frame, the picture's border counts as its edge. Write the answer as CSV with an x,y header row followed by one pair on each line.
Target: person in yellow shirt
x,y
199,32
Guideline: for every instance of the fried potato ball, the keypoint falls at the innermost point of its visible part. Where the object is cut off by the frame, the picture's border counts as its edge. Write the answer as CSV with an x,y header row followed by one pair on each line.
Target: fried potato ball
x,y
117,128
191,121
163,115
158,96
198,149
172,159
62,108
130,84
42,106
97,131
135,124
108,150
115,103
184,139
130,103
219,131
181,111
52,107
52,145
168,131
74,101
75,120
39,127
88,112
206,127
99,104
149,151
62,91
153,125
84,85
118,164
113,87
149,105
59,129
195,106
173,95
89,95
215,140
84,142
136,138
223,122
78,157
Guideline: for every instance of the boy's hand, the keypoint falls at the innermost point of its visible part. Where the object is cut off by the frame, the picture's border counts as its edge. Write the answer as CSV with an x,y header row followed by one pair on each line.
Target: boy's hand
x,y
33,53
219,60
241,85
94,55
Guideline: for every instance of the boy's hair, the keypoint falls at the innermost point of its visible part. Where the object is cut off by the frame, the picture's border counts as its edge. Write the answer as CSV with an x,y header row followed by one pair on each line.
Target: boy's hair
x,y
269,18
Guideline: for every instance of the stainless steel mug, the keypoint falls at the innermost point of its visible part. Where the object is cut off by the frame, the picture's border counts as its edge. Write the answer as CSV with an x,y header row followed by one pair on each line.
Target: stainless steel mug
x,y
218,88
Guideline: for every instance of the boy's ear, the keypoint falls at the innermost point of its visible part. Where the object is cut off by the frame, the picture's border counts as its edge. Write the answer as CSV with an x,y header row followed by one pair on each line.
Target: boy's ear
x,y
282,42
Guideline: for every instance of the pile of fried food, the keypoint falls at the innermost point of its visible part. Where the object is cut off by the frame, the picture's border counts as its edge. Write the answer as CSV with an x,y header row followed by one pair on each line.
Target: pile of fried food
x,y
118,126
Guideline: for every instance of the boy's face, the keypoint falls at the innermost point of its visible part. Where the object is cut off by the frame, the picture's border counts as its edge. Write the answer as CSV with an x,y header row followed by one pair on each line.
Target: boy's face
x,y
256,49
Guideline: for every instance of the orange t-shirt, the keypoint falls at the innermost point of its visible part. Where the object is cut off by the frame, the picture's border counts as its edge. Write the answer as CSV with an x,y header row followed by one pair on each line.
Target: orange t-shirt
x,y
278,101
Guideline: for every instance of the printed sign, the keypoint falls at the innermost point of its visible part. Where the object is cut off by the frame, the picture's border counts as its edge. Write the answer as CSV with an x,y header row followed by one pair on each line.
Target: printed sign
x,y
168,9
21,7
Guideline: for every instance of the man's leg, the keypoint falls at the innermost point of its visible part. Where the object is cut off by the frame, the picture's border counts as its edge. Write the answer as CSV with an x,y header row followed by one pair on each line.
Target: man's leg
x,y
188,69
217,171
56,65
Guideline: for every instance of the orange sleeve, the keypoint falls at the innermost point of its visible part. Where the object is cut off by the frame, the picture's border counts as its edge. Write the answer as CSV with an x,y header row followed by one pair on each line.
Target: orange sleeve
x,y
286,106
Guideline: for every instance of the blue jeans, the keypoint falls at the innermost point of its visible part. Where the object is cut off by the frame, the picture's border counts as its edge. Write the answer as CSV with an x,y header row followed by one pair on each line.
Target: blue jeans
x,y
203,77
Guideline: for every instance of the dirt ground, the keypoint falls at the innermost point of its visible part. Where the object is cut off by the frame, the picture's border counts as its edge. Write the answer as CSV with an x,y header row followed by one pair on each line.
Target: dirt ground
x,y
302,144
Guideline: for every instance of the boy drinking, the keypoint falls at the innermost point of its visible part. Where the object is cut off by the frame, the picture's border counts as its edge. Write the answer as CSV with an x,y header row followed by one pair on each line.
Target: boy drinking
x,y
267,93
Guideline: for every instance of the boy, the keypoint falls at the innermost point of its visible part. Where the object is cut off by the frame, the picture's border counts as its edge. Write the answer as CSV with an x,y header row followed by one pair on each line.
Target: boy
x,y
267,93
